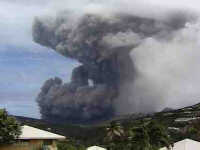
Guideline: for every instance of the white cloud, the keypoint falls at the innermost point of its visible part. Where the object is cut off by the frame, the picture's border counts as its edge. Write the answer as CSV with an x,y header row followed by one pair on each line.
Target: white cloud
x,y
16,22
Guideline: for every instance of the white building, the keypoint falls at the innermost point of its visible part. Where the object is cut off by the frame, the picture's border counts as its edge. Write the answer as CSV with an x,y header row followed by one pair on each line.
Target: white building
x,y
95,148
186,144
32,138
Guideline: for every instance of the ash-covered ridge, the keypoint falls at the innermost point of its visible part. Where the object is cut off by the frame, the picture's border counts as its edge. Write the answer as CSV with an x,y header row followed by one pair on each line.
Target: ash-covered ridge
x,y
102,45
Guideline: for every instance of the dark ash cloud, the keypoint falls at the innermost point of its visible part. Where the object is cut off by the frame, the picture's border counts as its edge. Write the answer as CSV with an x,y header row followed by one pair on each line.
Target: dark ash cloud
x,y
102,44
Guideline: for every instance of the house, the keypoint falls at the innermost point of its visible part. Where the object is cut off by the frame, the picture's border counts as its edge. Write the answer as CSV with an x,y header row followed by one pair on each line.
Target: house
x,y
186,144
33,138
95,148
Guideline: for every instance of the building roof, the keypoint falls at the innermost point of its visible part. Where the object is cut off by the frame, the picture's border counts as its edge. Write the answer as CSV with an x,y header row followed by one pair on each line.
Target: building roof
x,y
34,133
186,144
95,148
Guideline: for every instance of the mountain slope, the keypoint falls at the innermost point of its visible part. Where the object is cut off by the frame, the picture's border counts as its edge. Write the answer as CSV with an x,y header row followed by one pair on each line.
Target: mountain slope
x,y
175,120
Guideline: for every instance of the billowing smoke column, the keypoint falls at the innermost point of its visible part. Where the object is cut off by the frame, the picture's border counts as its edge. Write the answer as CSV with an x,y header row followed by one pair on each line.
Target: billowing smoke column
x,y
102,44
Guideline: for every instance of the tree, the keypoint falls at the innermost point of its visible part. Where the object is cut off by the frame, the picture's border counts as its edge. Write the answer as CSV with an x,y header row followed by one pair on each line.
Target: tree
x,y
9,128
114,130
65,146
70,144
192,130
158,135
114,135
139,138
148,136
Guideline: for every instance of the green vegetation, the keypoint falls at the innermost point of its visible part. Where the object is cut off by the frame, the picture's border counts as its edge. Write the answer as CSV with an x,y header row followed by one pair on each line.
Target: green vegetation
x,y
9,128
124,132
70,145
145,136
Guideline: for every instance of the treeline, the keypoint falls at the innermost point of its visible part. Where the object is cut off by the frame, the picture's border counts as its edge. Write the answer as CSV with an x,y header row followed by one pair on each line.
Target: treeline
x,y
140,135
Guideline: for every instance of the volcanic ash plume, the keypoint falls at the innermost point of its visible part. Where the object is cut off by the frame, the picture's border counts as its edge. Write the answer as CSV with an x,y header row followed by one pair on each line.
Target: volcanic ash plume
x,y
102,44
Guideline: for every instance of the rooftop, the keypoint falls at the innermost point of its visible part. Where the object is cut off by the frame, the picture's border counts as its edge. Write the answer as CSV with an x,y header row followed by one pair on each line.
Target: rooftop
x,y
34,133
95,148
186,144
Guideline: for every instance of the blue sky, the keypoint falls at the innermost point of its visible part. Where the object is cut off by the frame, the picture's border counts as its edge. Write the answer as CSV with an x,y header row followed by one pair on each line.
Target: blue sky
x,y
22,75
25,65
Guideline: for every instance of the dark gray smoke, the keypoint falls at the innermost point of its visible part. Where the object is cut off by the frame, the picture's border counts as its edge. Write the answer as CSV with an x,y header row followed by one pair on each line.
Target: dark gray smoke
x,y
102,44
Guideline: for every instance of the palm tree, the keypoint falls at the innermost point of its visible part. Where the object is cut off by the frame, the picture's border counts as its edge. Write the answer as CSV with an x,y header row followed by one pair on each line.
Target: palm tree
x,y
114,135
139,138
158,135
145,136
148,136
114,130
